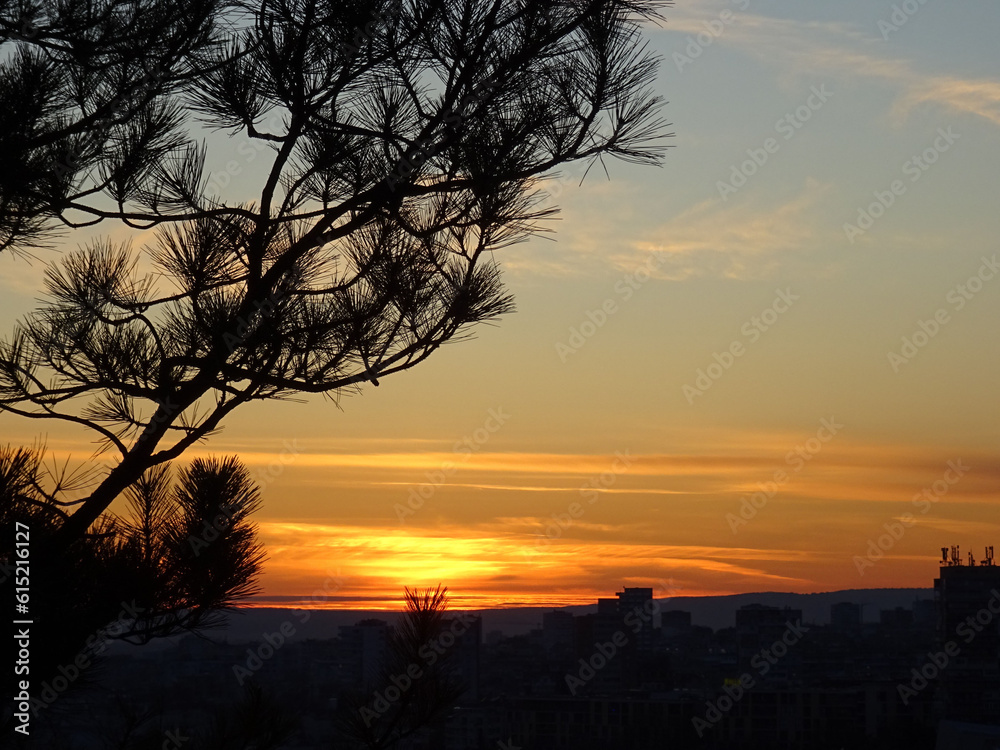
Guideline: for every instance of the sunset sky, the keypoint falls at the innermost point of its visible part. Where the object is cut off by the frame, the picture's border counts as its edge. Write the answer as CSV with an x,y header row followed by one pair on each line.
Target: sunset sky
x,y
802,302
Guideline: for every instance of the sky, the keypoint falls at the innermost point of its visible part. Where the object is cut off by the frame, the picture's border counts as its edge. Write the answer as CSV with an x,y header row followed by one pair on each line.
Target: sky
x,y
769,365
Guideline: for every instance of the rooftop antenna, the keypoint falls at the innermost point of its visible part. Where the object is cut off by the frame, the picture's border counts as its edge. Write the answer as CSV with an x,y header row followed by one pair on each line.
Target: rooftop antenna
x,y
989,557
972,560
956,556
944,555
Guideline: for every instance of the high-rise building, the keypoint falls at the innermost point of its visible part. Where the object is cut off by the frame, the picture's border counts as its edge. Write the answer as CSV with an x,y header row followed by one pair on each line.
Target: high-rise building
x,y
627,623
558,633
607,606
925,613
607,621
634,599
763,633
635,608
465,652
968,598
365,646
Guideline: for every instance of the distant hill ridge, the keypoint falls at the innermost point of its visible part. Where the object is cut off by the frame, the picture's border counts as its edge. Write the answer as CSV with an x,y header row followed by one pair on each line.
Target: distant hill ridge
x,y
710,611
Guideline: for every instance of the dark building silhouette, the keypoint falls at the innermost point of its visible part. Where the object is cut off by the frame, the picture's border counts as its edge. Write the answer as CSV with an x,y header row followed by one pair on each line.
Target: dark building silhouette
x,y
674,623
898,618
845,616
466,652
968,599
365,649
925,613
559,633
769,681
607,607
759,630
635,607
